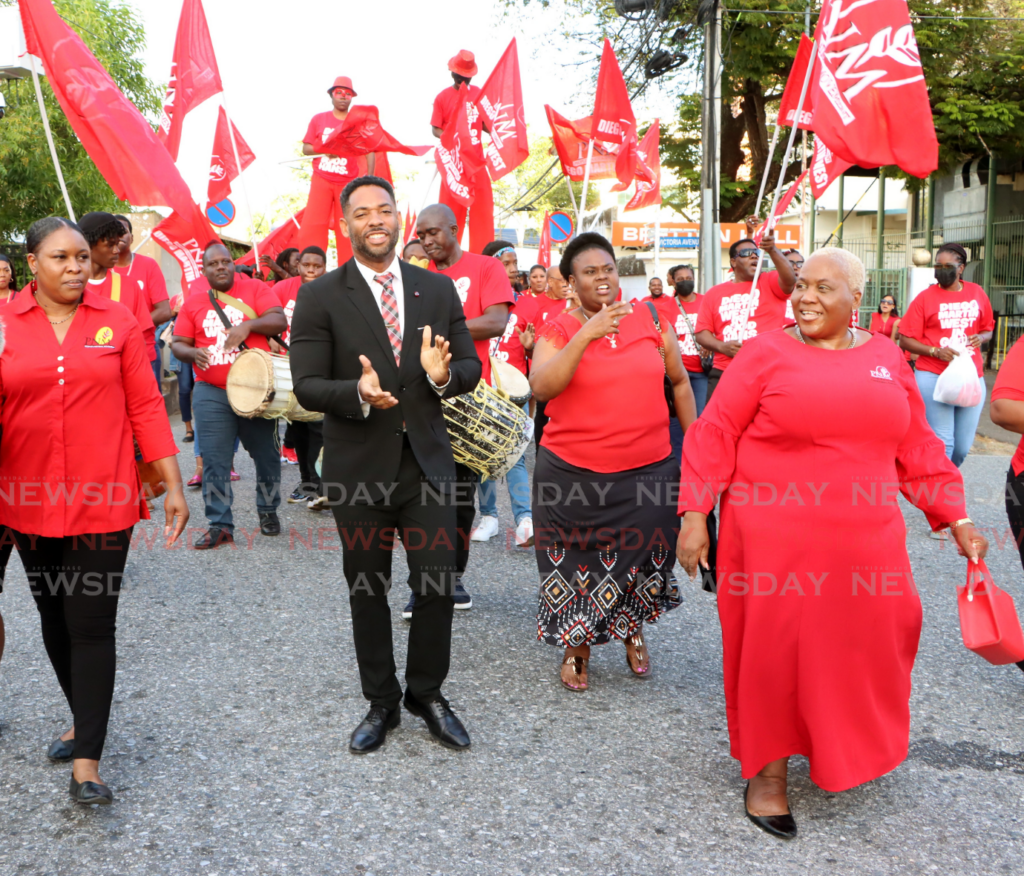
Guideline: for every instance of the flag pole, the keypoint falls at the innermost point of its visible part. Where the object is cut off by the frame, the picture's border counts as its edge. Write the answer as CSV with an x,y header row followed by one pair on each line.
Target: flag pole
x,y
241,179
49,138
767,167
657,243
586,184
572,200
143,242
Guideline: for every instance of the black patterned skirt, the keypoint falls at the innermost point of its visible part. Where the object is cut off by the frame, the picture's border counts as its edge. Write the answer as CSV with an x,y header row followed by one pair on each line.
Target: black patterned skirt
x,y
605,546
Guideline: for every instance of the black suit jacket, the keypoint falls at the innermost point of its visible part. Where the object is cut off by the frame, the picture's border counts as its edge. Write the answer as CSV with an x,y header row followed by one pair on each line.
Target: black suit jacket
x,y
336,319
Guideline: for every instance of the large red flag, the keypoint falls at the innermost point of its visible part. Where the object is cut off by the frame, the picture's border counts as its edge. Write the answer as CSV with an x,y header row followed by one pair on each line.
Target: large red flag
x,y
570,140
222,163
544,249
868,91
122,145
194,73
277,241
501,102
457,160
780,208
185,238
410,225
795,83
825,168
613,112
648,193
362,132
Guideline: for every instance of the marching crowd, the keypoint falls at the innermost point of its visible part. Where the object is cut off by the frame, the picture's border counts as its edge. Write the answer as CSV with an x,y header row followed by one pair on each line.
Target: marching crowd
x,y
737,390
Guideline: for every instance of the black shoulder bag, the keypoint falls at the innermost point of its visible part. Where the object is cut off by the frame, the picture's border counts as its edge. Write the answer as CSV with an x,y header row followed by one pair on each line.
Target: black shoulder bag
x,y
670,395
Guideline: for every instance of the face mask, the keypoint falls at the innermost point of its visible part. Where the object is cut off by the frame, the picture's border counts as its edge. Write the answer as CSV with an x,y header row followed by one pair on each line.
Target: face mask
x,y
945,275
684,287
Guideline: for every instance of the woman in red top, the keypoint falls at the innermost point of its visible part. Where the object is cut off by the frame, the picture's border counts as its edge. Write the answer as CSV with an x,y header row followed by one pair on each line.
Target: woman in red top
x,y
604,466
8,285
75,380
886,321
951,318
820,615
538,281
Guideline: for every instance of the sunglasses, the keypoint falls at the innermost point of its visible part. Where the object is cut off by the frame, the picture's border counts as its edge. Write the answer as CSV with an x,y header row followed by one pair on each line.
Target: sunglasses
x,y
747,253
797,264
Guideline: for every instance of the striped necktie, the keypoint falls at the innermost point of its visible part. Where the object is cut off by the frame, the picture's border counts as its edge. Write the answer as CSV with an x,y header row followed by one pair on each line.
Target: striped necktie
x,y
389,310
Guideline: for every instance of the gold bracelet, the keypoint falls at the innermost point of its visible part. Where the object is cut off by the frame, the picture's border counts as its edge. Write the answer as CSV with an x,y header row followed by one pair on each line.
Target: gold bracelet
x,y
957,523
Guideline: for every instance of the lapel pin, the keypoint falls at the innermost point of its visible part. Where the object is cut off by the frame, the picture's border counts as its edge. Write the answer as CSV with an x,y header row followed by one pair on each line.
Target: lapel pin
x,y
415,294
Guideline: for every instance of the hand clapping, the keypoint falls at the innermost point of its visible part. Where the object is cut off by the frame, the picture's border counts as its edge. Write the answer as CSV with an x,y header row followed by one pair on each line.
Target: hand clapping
x,y
435,357
369,388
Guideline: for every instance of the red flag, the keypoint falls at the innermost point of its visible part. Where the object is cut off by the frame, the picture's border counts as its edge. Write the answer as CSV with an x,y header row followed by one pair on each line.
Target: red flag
x,y
868,91
194,74
501,102
825,168
544,249
361,132
410,225
613,112
648,193
185,238
795,83
222,163
570,141
382,167
780,208
122,145
457,161
277,241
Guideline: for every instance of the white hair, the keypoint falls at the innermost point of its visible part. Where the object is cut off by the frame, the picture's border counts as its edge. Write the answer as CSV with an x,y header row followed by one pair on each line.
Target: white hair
x,y
851,267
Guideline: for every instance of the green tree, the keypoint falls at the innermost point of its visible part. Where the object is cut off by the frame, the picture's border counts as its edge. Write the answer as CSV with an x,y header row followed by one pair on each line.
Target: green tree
x,y
113,33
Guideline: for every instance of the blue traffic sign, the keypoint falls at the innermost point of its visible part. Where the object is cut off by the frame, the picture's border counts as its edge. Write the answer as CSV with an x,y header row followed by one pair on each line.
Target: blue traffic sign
x,y
560,226
679,242
221,213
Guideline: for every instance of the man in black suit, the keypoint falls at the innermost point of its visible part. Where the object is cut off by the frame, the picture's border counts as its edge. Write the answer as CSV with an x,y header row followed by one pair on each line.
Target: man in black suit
x,y
376,345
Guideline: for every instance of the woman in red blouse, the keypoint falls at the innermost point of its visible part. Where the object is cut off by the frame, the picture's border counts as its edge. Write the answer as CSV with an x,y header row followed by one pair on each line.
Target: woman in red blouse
x,y
8,285
820,615
602,516
886,321
75,386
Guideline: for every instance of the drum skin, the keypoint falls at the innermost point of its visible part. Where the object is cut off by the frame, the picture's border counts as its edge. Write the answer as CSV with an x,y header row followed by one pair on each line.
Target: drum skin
x,y
510,380
260,385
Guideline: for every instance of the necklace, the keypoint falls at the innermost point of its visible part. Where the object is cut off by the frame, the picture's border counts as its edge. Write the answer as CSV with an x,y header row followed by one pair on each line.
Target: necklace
x,y
609,338
800,335
59,321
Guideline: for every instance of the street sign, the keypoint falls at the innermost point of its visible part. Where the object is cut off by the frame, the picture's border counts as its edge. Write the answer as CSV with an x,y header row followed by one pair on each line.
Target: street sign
x,y
679,242
560,226
221,213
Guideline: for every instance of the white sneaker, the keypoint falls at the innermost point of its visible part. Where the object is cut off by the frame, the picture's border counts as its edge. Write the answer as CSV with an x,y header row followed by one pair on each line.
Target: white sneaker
x,y
524,532
485,530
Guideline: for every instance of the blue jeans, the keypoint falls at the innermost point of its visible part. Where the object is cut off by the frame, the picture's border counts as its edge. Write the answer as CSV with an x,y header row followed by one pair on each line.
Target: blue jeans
x,y
220,427
518,489
954,426
699,385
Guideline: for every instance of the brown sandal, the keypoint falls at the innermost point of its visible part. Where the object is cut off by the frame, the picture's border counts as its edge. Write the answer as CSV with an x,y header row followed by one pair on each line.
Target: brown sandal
x,y
579,665
642,667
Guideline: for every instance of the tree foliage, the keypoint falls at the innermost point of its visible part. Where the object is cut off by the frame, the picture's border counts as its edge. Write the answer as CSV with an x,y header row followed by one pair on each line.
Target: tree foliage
x,y
113,33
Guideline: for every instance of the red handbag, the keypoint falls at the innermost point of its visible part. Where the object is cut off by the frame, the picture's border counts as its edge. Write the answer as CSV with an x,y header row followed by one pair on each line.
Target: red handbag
x,y
988,618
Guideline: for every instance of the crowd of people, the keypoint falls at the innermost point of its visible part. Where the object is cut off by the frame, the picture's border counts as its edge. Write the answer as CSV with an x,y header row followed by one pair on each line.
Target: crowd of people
x,y
737,390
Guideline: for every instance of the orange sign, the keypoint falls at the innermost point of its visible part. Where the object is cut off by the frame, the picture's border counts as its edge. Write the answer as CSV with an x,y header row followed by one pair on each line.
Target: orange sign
x,y
642,233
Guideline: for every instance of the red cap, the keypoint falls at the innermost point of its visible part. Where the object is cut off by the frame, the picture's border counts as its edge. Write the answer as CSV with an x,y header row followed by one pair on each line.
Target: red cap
x,y
343,82
464,63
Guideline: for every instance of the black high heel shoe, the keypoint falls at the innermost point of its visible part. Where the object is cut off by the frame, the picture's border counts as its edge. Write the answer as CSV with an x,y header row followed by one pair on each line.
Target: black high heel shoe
x,y
782,826
61,751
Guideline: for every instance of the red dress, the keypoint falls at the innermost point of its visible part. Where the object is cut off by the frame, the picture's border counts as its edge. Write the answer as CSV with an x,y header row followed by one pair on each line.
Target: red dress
x,y
815,664
886,328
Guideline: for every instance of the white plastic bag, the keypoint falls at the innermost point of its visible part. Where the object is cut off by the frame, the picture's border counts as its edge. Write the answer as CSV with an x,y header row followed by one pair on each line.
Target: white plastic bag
x,y
959,384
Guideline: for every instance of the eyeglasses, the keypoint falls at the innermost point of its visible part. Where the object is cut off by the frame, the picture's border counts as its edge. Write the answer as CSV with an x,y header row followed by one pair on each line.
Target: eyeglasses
x,y
797,264
747,253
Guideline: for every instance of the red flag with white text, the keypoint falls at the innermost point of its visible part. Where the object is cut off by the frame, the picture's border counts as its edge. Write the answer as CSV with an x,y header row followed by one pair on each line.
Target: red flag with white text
x,y
570,141
780,208
458,161
648,193
613,112
544,249
185,237
222,163
279,239
869,96
794,85
362,132
825,168
501,102
194,74
117,138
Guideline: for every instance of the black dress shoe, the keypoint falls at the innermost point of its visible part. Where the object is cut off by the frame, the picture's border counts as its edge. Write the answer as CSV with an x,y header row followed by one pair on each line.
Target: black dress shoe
x,y
213,538
373,729
61,751
441,721
783,826
90,793
270,524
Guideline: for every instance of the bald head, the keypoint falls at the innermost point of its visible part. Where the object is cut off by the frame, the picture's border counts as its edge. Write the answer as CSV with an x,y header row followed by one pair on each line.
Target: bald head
x,y
438,231
439,214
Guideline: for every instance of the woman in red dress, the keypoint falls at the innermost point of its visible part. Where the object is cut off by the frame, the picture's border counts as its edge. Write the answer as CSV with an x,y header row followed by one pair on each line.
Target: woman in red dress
x,y
820,616
603,527
886,321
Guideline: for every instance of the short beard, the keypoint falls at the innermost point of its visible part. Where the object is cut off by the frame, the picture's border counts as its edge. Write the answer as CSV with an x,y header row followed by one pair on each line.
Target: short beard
x,y
360,246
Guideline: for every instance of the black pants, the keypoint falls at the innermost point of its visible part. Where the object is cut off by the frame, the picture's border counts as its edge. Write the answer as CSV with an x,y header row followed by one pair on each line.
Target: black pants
x,y
426,525
75,582
307,440
1015,508
465,512
540,420
714,375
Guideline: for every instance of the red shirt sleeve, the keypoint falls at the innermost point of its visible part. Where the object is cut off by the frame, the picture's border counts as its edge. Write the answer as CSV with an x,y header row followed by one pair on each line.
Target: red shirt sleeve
x,y
437,118
184,325
987,319
912,323
494,285
706,316
144,402
156,285
264,297
774,285
1010,378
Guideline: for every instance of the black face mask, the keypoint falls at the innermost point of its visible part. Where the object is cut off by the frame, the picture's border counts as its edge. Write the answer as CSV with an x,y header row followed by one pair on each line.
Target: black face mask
x,y
684,287
946,275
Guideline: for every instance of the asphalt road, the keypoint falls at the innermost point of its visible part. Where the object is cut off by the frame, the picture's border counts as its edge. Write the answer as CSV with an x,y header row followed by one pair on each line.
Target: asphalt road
x,y
237,691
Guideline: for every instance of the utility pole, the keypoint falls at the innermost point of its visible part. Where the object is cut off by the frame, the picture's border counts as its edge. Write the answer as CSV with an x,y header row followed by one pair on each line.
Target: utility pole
x,y
710,256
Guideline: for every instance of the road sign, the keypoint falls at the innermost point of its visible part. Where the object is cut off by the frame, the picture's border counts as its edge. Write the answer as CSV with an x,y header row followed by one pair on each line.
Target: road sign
x,y
680,242
560,226
221,213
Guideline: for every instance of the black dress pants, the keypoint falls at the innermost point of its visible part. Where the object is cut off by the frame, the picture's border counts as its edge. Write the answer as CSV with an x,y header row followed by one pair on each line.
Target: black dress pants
x,y
713,377
426,525
307,441
465,511
75,582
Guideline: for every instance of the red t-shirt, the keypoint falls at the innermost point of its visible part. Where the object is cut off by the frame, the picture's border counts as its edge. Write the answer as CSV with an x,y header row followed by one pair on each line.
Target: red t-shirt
x,y
335,169
731,312
287,291
146,273
878,327
943,318
449,100
508,348
549,308
612,416
1010,385
669,309
481,281
132,297
199,321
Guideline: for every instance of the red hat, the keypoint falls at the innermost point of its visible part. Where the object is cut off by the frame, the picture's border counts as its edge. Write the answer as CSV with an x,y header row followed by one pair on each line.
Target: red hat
x,y
343,82
464,63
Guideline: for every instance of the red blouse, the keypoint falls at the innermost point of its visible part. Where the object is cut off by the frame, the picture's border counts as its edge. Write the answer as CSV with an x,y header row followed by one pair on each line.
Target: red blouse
x,y
886,328
67,464
612,416
1010,385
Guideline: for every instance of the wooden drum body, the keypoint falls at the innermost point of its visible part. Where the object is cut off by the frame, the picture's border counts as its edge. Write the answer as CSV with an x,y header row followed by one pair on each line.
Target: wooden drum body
x,y
260,385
